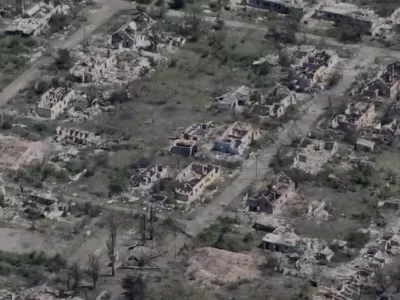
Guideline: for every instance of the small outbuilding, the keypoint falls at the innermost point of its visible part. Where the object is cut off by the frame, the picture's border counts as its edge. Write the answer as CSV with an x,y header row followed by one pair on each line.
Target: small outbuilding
x,y
365,145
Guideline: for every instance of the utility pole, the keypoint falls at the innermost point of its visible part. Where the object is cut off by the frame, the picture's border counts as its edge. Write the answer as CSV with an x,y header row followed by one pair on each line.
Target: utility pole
x,y
143,227
85,41
151,228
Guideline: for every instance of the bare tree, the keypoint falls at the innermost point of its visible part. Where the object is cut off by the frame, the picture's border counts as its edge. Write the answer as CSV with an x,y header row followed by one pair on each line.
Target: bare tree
x,y
112,241
93,268
74,272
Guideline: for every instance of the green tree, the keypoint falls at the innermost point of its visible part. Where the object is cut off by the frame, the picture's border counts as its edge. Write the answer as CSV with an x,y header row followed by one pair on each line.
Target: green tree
x,y
63,60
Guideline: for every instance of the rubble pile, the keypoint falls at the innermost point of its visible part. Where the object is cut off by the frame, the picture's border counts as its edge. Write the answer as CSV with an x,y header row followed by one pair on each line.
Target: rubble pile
x,y
210,265
36,293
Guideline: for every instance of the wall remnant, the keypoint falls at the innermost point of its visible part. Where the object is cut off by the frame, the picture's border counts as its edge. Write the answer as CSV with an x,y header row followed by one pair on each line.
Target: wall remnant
x,y
190,184
54,102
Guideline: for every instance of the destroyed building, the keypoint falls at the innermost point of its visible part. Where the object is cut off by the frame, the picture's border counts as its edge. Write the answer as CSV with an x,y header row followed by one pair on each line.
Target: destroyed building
x,y
364,145
75,136
43,204
356,116
132,35
345,13
236,139
189,185
313,70
188,143
313,156
270,199
275,104
280,242
34,20
54,102
386,133
279,6
387,83
93,67
236,99
17,152
199,131
146,177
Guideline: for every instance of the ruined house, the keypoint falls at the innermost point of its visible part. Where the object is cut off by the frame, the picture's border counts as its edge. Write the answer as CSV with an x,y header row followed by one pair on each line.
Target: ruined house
x,y
312,157
132,35
75,136
280,242
189,185
188,144
199,131
42,204
270,199
312,70
54,102
356,116
93,67
275,104
345,13
387,133
146,177
185,146
279,6
236,139
387,83
34,20
235,99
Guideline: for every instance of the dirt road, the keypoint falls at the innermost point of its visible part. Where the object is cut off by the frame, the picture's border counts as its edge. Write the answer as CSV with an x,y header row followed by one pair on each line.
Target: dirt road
x,y
95,19
365,50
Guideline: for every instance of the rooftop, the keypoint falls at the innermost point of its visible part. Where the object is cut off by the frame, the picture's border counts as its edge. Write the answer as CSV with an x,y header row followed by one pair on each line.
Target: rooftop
x,y
289,239
366,143
348,9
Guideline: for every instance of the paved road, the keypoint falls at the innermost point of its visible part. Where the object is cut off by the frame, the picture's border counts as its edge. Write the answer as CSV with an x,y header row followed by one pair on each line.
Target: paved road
x,y
95,19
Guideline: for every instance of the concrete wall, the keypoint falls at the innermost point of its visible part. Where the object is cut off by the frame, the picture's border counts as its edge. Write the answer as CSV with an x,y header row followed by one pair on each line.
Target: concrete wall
x,y
271,6
225,147
340,18
278,247
184,151
367,118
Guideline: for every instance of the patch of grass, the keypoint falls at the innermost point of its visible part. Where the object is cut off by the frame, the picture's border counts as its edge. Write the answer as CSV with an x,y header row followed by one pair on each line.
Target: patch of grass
x,y
222,235
88,209
32,266
118,180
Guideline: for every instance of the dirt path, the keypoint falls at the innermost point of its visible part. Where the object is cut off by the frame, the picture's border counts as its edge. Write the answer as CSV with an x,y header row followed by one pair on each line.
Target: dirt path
x,y
95,19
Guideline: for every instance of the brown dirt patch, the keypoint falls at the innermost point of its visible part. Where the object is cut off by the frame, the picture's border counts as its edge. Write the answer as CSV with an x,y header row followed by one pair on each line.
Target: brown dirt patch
x,y
210,266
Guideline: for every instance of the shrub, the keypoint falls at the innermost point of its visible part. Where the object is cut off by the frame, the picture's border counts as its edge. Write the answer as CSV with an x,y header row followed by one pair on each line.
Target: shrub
x,y
177,4
63,60
57,22
119,96
76,166
357,239
118,181
6,125
41,87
